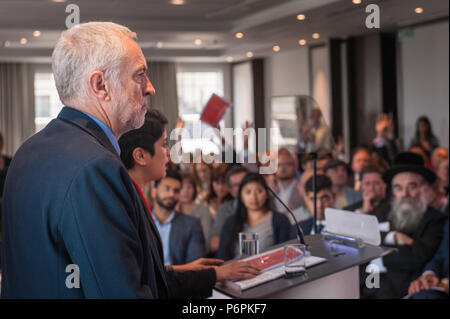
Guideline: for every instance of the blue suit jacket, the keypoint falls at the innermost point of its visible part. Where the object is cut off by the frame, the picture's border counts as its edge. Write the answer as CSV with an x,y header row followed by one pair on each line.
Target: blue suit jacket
x,y
186,239
439,264
69,200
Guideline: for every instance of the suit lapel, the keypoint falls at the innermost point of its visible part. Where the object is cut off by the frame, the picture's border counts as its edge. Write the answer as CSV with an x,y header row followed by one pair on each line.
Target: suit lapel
x,y
84,122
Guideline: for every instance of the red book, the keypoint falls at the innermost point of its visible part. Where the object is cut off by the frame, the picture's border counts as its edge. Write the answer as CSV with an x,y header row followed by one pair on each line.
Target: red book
x,y
214,110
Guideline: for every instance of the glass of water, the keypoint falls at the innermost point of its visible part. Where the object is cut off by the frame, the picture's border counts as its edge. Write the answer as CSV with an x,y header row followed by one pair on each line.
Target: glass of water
x,y
248,244
294,260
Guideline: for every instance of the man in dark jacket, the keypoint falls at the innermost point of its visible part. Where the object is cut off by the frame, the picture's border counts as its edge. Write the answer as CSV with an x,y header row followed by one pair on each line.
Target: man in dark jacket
x,y
415,228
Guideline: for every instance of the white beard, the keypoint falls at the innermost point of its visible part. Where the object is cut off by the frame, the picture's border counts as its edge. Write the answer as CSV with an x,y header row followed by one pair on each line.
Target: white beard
x,y
406,214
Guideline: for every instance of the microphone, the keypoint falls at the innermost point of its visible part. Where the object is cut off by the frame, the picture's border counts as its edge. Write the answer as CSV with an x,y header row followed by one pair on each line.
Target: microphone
x,y
300,235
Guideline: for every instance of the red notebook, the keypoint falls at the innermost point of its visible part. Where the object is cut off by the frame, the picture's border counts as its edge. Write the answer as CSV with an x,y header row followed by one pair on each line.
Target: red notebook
x,y
214,110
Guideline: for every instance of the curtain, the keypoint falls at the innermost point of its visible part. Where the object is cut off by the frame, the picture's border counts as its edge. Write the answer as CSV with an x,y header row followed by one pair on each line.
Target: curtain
x,y
163,76
16,104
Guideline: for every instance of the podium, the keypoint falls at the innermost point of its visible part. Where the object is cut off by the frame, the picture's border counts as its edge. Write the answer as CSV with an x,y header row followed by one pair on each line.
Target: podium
x,y
337,278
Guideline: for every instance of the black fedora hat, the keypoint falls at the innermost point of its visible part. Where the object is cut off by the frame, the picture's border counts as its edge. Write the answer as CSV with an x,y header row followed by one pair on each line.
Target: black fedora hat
x,y
409,162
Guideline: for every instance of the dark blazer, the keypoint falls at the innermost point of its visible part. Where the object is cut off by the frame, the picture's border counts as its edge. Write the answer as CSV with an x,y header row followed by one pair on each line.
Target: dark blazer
x,y
407,263
381,211
186,239
282,231
69,200
440,264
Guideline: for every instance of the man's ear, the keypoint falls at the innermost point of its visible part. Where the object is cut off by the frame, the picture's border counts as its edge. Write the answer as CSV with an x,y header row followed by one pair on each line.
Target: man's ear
x,y
99,86
140,156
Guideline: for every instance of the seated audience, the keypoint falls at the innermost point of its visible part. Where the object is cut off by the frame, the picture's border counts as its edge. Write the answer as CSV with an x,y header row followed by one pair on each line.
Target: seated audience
x,y
233,180
202,174
418,149
188,206
253,214
424,136
433,283
286,182
438,155
218,190
337,171
324,200
385,144
415,229
360,158
435,196
373,190
181,235
442,174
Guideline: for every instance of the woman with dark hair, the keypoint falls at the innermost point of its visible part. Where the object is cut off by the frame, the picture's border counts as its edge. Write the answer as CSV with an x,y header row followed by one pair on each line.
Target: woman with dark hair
x,y
424,135
253,214
187,204
218,190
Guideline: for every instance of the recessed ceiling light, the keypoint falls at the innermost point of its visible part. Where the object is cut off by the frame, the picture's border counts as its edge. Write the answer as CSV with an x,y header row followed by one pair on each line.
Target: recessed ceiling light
x,y
239,35
249,54
276,48
198,42
159,44
37,33
418,10
302,42
7,44
356,1
301,17
59,1
229,59
23,40
316,36
177,2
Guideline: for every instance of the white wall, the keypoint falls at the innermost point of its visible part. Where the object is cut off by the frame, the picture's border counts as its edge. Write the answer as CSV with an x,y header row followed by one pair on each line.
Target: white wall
x,y
423,80
286,73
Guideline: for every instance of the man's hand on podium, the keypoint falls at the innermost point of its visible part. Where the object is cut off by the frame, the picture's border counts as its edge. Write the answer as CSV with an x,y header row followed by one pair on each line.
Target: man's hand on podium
x,y
236,270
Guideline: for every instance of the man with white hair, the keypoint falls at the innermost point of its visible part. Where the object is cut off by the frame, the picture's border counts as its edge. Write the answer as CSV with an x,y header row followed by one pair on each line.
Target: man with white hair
x,y
74,225
416,229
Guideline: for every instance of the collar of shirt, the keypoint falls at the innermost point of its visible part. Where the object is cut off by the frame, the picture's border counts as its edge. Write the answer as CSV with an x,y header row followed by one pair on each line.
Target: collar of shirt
x,y
107,131
167,222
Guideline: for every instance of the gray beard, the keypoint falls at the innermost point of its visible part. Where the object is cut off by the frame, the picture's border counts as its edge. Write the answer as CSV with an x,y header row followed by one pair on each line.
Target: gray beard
x,y
406,214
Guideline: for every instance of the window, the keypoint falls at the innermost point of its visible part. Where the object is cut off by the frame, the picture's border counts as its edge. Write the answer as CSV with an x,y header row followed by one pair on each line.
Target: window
x,y
47,103
194,91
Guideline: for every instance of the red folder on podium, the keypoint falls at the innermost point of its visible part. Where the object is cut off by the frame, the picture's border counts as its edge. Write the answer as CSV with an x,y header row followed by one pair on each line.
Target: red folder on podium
x,y
214,110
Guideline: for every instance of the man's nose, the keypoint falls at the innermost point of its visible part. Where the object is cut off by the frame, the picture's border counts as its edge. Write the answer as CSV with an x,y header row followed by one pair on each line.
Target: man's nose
x,y
149,89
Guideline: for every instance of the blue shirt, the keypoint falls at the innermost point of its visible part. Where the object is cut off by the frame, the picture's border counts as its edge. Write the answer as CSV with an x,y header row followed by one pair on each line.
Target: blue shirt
x,y
107,131
164,232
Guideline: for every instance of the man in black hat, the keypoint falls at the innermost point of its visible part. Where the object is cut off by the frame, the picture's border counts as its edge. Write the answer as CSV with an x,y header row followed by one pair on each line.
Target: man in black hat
x,y
415,228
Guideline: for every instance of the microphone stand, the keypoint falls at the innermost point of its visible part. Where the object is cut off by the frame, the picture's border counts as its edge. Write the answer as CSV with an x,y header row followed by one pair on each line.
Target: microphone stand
x,y
300,236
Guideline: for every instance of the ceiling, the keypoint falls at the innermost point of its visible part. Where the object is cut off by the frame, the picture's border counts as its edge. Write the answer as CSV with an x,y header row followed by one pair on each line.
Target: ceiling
x,y
265,23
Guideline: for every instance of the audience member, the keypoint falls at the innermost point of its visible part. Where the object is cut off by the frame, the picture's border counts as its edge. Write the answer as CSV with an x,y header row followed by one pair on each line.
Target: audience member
x,y
202,174
438,155
181,235
373,190
433,283
324,200
442,174
187,205
360,158
385,144
218,190
415,228
233,180
253,214
424,135
344,195
418,149
286,182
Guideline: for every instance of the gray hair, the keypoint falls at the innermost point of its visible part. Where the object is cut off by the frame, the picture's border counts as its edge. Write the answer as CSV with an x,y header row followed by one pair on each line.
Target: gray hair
x,y
83,49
